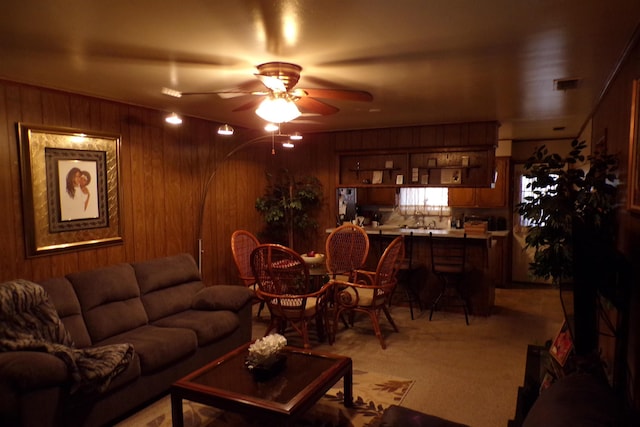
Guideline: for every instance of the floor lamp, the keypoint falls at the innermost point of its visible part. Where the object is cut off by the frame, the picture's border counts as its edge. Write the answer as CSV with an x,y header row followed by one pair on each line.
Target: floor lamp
x,y
205,190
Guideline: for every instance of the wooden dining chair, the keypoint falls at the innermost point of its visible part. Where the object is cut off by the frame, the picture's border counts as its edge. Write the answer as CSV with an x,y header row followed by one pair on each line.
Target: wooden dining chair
x,y
283,283
369,292
242,244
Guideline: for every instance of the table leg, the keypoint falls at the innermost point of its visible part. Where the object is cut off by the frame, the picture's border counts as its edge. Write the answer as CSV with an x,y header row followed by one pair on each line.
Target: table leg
x,y
348,388
177,419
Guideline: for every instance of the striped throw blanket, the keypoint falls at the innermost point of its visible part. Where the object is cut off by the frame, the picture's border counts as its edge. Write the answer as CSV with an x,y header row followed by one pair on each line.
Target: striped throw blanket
x,y
29,322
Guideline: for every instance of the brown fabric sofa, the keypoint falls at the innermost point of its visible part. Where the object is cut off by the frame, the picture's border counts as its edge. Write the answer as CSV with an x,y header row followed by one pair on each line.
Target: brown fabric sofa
x,y
161,307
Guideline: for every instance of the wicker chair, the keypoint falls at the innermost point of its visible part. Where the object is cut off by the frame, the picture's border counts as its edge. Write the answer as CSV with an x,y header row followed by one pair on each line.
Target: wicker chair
x,y
242,244
346,250
369,292
283,283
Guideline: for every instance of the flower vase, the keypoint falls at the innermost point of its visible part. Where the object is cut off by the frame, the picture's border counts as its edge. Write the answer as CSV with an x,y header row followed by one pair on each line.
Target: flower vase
x,y
268,367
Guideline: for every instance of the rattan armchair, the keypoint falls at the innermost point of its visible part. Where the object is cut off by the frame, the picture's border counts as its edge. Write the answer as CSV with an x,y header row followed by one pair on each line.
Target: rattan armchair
x,y
242,244
369,292
283,283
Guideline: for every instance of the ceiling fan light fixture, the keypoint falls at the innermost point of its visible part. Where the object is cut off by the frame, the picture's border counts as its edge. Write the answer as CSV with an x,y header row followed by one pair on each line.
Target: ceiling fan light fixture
x,y
225,129
173,119
271,127
277,109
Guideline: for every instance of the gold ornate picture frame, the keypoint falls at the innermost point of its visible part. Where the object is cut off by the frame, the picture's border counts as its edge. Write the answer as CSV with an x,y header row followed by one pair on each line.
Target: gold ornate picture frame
x,y
633,197
70,188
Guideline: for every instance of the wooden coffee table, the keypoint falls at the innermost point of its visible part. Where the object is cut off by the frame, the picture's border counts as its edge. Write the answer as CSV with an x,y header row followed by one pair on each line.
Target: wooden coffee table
x,y
227,384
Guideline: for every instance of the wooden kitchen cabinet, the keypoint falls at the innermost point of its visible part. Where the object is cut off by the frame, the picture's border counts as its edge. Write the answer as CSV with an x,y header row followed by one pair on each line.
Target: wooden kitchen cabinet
x,y
380,196
499,261
496,197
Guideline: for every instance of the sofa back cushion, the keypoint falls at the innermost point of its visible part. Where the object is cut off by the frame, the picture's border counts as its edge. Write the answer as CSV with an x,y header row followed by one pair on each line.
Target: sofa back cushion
x,y
64,298
167,285
110,300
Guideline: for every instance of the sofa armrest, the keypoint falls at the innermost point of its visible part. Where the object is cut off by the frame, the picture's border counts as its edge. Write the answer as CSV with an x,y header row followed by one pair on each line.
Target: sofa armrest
x,y
222,297
28,370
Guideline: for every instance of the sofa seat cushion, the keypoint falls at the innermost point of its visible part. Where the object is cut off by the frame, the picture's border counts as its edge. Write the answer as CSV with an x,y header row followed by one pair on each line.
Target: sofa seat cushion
x,y
157,347
209,326
222,297
110,300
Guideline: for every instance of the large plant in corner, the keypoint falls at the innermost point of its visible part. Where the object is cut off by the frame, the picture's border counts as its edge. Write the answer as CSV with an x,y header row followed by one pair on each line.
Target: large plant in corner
x,y
288,206
571,217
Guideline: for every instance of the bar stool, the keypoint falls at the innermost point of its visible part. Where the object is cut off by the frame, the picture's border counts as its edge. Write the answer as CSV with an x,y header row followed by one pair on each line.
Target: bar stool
x,y
406,272
448,264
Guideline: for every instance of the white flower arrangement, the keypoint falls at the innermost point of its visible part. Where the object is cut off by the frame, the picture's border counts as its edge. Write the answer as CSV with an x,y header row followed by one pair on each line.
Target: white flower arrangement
x,y
265,350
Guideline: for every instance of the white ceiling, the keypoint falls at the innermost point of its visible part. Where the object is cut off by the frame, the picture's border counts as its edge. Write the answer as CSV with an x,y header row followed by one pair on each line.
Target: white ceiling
x,y
424,61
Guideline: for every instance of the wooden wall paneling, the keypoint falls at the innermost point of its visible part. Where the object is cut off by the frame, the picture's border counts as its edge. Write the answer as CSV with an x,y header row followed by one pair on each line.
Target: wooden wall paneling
x,y
9,185
453,135
19,267
207,161
479,134
134,191
175,217
158,176
216,205
430,136
56,109
31,112
233,189
115,119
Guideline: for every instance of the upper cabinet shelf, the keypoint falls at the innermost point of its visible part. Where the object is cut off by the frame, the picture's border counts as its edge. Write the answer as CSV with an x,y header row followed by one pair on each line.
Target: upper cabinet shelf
x,y
443,166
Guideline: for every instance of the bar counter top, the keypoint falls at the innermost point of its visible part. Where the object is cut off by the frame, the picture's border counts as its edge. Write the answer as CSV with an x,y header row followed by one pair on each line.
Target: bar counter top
x,y
483,259
394,230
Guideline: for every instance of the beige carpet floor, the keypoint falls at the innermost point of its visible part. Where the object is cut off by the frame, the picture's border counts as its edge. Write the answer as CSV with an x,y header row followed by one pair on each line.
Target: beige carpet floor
x,y
468,374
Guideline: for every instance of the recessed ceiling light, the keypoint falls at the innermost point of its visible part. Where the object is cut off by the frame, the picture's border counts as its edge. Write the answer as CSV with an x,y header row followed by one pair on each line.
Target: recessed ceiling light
x,y
559,128
225,130
173,119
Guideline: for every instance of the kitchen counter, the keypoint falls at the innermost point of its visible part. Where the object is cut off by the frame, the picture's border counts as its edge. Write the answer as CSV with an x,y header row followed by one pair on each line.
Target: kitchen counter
x,y
483,256
394,230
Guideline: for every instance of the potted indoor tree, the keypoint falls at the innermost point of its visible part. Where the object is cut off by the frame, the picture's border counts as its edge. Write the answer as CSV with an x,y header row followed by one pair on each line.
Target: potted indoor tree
x,y
288,206
571,218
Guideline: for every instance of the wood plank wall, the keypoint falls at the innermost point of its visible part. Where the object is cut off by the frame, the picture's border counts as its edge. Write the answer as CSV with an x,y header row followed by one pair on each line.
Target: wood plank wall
x,y
611,123
163,170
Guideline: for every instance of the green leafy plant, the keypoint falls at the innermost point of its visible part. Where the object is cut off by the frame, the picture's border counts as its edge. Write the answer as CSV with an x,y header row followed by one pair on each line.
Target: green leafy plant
x,y
288,206
565,199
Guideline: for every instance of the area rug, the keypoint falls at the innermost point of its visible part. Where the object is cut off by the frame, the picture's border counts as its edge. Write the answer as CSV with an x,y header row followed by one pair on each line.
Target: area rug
x,y
372,393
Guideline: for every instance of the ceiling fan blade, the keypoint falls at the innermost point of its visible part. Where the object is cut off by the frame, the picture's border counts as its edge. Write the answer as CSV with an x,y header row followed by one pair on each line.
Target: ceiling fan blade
x,y
253,104
226,94
273,83
308,104
247,88
341,94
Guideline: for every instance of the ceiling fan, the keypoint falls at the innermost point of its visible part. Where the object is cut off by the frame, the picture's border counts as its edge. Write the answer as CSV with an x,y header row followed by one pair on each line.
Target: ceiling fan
x,y
279,80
